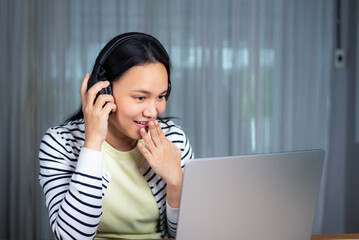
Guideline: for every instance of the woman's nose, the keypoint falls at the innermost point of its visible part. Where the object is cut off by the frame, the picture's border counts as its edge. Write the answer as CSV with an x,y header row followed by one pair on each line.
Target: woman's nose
x,y
150,110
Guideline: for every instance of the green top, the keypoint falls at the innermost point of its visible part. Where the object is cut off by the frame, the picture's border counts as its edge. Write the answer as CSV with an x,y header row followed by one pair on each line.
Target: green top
x,y
129,207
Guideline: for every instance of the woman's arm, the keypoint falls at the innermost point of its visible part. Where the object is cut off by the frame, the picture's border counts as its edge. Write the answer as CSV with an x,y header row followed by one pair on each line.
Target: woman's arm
x,y
72,179
186,154
72,186
167,159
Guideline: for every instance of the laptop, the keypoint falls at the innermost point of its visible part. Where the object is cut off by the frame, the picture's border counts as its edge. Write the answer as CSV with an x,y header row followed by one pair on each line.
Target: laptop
x,y
266,196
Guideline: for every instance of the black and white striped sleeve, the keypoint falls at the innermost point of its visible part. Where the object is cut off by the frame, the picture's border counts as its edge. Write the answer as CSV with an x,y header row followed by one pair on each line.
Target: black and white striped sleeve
x,y
72,185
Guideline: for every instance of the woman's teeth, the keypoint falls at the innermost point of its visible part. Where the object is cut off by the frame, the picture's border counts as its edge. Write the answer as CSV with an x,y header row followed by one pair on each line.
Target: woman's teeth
x,y
142,123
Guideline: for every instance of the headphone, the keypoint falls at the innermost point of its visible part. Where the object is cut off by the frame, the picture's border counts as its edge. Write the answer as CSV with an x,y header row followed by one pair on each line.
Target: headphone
x,y
99,73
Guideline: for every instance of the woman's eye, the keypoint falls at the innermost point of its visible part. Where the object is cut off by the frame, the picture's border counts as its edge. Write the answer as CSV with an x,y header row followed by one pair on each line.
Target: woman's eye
x,y
140,98
161,97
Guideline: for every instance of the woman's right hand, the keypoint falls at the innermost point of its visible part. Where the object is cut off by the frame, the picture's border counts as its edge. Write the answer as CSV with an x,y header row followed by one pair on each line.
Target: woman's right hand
x,y
95,113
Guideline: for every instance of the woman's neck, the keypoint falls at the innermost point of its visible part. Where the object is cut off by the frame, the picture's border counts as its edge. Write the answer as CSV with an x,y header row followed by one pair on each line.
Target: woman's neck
x,y
121,143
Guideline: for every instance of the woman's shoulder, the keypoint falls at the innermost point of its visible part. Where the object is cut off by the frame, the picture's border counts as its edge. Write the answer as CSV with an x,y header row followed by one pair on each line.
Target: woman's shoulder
x,y
72,131
169,126
172,131
63,142
76,125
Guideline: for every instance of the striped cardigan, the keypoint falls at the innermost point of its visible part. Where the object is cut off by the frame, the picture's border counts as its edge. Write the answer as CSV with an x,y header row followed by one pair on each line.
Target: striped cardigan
x,y
74,181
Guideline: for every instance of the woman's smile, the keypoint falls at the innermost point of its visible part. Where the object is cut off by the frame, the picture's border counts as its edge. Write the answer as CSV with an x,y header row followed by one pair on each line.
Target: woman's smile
x,y
141,124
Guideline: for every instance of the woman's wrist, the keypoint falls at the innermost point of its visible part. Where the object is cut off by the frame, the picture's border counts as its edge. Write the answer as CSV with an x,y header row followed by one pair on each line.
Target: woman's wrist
x,y
93,145
174,187
175,180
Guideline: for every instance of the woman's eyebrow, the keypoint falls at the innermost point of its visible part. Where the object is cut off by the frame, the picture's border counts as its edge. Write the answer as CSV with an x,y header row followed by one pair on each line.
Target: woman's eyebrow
x,y
148,92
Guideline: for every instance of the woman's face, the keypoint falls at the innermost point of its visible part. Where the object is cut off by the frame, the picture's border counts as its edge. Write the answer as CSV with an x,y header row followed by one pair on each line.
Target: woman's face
x,y
139,95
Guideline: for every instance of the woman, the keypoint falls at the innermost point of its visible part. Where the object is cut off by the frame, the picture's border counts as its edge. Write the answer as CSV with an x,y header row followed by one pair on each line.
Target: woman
x,y
114,170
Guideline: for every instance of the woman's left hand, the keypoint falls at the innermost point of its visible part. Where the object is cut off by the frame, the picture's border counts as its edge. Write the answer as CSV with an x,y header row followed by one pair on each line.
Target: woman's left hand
x,y
163,156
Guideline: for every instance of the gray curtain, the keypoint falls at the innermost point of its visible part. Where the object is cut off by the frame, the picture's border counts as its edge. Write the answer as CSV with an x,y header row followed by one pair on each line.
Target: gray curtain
x,y
249,76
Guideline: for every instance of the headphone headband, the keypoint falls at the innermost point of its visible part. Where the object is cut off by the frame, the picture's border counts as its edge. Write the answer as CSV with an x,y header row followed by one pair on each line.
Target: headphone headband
x,y
121,39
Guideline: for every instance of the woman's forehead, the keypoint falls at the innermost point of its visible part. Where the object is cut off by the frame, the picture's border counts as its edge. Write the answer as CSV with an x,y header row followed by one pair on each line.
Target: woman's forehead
x,y
149,77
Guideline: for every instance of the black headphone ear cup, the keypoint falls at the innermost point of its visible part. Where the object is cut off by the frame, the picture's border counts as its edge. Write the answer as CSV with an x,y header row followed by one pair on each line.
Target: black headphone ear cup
x,y
107,90
168,90
92,81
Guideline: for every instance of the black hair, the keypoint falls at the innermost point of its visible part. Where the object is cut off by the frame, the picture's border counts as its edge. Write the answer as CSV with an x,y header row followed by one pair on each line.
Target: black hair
x,y
134,49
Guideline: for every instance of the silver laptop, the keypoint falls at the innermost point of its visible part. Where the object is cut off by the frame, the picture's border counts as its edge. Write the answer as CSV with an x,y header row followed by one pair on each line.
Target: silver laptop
x,y
267,196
